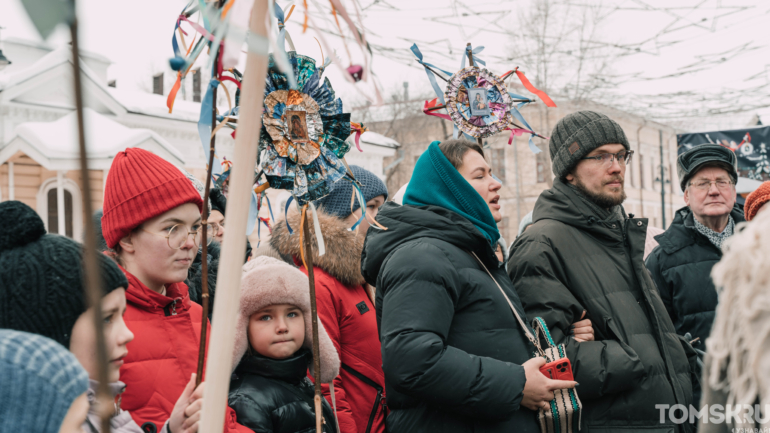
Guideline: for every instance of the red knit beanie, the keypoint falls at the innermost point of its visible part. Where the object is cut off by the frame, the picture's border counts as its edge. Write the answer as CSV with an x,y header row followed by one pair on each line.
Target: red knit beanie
x,y
140,186
756,199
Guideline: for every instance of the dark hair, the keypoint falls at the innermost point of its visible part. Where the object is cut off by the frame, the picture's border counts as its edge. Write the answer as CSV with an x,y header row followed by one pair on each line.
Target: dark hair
x,y
456,148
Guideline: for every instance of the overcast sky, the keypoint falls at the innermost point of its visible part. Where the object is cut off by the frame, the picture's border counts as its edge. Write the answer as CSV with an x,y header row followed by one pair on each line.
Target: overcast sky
x,y
718,47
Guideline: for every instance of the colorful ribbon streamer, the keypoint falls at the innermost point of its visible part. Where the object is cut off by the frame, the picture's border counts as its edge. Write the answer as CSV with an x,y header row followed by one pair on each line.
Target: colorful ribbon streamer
x,y
431,104
319,237
540,94
359,129
279,49
475,59
431,77
253,214
204,124
286,214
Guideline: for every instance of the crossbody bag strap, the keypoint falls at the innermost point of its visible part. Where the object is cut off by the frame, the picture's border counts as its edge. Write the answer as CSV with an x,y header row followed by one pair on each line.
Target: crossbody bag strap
x,y
527,332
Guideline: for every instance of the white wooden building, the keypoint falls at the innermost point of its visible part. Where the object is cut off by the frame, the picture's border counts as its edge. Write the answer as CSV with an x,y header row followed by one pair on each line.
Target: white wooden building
x,y
38,135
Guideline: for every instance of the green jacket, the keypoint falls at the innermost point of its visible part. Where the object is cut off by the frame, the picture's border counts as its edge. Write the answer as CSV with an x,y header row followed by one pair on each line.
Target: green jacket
x,y
577,257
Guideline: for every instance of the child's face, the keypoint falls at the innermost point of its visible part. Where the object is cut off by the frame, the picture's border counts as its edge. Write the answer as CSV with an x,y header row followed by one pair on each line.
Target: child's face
x,y
116,336
277,331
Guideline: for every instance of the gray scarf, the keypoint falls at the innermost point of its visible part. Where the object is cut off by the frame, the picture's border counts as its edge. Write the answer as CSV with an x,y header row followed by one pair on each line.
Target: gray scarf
x,y
714,237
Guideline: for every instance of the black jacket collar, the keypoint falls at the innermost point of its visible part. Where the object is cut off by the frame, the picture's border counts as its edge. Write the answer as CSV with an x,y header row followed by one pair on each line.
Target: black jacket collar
x,y
292,369
682,232
562,203
407,223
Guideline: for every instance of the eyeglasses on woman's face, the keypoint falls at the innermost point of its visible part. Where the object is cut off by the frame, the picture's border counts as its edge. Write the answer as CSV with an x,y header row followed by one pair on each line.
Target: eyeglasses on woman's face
x,y
177,235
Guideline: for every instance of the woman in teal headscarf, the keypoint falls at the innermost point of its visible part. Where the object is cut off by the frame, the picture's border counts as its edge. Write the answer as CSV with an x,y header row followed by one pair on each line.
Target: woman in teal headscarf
x,y
454,355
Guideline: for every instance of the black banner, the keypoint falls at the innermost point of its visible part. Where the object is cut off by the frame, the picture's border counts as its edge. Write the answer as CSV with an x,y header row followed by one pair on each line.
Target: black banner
x,y
750,145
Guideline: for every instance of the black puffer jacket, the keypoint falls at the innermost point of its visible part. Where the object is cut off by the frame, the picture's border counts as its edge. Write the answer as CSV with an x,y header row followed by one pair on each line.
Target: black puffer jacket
x,y
681,268
275,396
451,347
194,276
571,259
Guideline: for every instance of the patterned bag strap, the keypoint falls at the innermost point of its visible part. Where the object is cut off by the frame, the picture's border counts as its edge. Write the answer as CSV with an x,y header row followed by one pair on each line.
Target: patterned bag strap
x,y
524,326
541,328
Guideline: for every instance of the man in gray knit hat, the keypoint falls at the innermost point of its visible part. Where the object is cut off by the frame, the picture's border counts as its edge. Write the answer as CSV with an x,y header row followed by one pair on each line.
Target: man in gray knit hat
x,y
582,261
692,245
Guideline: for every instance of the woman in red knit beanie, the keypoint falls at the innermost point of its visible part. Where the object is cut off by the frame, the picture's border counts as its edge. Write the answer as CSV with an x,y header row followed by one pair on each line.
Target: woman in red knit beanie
x,y
756,200
152,224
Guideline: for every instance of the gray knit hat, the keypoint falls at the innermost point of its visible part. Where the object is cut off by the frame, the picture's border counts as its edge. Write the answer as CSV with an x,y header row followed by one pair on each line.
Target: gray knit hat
x,y
579,133
39,380
688,163
337,203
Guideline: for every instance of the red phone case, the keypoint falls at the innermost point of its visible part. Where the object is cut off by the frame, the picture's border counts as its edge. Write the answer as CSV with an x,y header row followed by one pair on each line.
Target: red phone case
x,y
561,369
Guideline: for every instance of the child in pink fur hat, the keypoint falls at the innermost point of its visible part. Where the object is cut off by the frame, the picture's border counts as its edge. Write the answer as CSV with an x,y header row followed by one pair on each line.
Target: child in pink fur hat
x,y
270,390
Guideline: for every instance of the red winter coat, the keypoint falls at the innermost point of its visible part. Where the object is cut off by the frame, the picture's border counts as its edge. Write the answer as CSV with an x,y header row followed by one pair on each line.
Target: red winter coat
x,y
164,352
347,313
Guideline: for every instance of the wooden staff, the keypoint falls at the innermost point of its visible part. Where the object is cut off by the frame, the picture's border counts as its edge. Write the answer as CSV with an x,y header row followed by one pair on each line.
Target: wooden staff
x,y
204,244
470,62
220,357
307,261
90,261
204,235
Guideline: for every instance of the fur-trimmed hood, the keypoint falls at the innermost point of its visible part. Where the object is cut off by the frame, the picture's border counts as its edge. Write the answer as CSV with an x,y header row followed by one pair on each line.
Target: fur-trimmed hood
x,y
267,281
343,247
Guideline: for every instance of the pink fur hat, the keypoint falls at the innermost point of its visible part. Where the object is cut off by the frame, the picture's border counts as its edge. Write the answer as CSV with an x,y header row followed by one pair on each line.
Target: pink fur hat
x,y
267,281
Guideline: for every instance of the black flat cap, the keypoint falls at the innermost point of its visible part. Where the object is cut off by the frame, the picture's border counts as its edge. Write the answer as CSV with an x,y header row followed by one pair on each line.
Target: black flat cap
x,y
691,161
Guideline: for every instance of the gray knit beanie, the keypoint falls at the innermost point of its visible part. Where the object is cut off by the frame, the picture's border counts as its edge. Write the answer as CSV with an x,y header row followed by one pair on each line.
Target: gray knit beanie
x,y
579,133
337,203
39,380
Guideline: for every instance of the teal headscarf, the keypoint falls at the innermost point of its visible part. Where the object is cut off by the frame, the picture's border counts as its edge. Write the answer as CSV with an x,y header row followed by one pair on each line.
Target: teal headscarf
x,y
436,182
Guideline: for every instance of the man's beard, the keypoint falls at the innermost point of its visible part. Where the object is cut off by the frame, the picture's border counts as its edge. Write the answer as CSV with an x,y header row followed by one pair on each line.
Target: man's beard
x,y
604,201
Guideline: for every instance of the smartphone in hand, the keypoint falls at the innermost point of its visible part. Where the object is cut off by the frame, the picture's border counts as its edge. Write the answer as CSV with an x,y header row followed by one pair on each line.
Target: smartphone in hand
x,y
561,369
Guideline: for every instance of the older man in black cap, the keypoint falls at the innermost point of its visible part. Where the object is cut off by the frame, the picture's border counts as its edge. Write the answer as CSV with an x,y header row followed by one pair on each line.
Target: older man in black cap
x,y
681,264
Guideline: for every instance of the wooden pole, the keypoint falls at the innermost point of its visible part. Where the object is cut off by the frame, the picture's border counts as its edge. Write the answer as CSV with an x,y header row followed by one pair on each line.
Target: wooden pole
x,y
204,234
90,262
307,260
220,354
470,63
470,55
204,245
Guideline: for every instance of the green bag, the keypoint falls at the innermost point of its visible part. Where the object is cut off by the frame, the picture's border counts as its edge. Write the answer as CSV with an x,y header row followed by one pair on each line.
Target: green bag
x,y
566,408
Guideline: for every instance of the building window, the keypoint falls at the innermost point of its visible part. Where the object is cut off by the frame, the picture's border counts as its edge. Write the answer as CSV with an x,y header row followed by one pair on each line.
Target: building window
x,y
541,160
53,212
641,172
157,84
197,85
497,160
48,209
